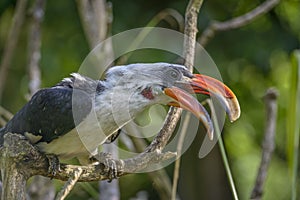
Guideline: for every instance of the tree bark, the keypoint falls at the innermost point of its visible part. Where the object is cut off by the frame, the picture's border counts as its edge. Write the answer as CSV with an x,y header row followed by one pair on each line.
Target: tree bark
x,y
14,183
20,160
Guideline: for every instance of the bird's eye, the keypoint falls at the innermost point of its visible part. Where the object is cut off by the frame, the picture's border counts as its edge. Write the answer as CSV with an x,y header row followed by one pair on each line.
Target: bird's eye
x,y
174,74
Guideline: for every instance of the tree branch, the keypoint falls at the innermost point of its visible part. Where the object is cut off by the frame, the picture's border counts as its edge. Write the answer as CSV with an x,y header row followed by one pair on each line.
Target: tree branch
x,y
69,184
26,156
34,45
268,143
236,22
5,116
174,114
190,32
162,138
94,20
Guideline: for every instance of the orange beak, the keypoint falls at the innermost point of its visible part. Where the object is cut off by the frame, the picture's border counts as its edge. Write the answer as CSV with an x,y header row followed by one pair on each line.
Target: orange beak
x,y
201,84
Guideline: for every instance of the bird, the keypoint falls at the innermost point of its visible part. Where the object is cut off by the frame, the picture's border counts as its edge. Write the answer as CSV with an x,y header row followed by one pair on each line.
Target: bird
x,y
79,114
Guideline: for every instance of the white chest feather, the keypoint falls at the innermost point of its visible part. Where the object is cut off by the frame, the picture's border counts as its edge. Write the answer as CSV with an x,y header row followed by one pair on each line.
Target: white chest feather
x,y
106,118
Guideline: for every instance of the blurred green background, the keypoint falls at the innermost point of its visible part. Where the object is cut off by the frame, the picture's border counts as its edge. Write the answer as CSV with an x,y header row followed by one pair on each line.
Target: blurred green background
x,y
250,59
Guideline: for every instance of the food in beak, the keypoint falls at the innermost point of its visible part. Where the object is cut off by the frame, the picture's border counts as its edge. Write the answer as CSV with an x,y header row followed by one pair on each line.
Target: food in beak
x,y
201,84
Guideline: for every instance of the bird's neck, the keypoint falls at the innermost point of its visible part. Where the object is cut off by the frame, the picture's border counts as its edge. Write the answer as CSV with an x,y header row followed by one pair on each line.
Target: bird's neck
x,y
117,106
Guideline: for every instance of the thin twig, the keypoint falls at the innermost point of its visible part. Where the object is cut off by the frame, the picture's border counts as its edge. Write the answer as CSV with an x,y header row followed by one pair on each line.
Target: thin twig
x,y
170,15
165,14
162,138
11,42
179,150
69,184
5,113
236,22
5,116
268,143
2,122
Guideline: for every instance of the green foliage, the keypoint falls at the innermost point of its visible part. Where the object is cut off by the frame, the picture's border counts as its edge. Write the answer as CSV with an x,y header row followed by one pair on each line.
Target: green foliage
x,y
293,118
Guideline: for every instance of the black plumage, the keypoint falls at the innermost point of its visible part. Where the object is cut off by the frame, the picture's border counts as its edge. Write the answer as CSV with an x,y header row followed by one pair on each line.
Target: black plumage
x,y
54,105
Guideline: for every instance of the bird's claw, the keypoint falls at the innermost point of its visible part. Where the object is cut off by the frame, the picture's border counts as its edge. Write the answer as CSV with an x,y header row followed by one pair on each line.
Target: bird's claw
x,y
54,165
110,165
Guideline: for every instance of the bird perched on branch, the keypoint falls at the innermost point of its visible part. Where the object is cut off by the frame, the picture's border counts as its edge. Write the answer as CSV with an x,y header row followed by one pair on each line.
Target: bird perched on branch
x,y
78,114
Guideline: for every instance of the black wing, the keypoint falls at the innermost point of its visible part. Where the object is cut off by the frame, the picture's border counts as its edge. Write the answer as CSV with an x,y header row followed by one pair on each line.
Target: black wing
x,y
49,113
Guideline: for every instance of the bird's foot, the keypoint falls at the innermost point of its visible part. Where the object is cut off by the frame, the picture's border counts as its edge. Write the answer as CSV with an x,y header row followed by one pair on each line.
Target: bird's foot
x,y
110,165
54,165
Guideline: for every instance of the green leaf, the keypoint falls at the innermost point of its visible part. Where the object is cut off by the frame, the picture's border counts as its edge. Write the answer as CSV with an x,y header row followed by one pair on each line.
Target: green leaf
x,y
293,117
223,151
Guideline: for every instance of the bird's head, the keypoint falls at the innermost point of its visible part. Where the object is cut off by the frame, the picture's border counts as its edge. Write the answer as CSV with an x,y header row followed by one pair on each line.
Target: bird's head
x,y
170,84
